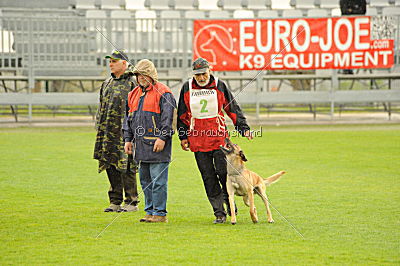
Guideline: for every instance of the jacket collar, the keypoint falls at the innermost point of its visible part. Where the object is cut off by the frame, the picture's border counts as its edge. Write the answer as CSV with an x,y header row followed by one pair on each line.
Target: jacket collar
x,y
123,76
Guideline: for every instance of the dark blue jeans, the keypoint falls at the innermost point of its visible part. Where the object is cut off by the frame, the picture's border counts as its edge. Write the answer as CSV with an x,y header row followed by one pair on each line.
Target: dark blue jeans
x,y
154,181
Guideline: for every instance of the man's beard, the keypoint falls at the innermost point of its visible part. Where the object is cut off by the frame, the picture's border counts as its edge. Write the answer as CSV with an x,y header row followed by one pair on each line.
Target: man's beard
x,y
203,83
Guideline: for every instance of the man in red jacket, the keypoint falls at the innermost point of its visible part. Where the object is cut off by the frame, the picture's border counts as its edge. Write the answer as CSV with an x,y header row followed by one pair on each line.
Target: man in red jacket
x,y
202,129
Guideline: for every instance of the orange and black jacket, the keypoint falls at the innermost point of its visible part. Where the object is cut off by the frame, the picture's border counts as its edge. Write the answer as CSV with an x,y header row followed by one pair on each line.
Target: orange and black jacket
x,y
150,117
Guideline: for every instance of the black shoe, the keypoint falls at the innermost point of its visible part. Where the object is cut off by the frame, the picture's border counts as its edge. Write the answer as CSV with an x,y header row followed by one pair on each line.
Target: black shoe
x,y
220,220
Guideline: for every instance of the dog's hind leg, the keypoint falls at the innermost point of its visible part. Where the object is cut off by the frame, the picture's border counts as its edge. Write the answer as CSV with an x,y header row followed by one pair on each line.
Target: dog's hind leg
x,y
246,200
263,195
253,212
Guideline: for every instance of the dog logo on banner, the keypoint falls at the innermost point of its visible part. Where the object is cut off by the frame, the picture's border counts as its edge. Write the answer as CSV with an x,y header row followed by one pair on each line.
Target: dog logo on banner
x,y
214,42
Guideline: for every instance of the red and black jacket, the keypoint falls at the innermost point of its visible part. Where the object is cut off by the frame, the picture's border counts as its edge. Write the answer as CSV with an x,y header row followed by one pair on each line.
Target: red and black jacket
x,y
205,135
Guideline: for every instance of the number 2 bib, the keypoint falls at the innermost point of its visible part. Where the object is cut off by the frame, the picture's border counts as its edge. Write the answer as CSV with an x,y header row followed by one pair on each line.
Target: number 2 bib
x,y
203,102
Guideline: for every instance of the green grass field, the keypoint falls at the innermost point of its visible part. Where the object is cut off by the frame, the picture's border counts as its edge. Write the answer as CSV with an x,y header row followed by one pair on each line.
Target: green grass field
x,y
341,192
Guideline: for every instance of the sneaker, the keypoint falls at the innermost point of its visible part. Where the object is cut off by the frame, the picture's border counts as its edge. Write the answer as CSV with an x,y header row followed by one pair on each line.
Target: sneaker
x,y
146,218
158,219
112,208
129,208
220,220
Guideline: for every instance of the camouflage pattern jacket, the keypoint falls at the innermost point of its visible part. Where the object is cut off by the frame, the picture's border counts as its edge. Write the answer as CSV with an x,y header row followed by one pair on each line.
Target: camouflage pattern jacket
x,y
109,146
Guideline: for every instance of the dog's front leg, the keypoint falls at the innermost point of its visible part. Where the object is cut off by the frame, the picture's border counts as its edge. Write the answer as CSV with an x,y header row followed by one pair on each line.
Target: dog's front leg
x,y
253,212
231,193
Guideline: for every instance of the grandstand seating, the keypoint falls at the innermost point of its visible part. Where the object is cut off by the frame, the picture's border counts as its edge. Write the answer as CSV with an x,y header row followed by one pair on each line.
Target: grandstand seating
x,y
170,14
232,4
205,5
268,14
219,14
292,13
135,4
371,11
120,14
96,14
186,4
336,12
378,3
110,4
302,3
209,5
391,11
85,4
281,5
50,4
243,14
317,13
161,4
329,3
258,4
134,24
193,14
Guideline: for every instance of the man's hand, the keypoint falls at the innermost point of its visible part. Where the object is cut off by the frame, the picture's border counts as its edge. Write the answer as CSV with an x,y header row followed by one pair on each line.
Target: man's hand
x,y
159,145
248,135
185,144
128,147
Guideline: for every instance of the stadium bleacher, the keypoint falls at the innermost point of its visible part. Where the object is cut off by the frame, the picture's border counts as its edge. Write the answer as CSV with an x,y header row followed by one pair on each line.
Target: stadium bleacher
x,y
215,14
186,5
53,40
258,4
162,4
391,11
209,5
111,4
243,14
135,4
85,4
143,25
292,13
232,4
268,14
306,6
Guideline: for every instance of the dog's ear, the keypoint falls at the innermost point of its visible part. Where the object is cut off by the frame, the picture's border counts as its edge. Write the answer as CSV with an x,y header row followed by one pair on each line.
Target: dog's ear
x,y
241,154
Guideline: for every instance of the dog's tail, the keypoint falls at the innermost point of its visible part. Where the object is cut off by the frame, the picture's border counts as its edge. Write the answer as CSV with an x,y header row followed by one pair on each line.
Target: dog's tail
x,y
273,178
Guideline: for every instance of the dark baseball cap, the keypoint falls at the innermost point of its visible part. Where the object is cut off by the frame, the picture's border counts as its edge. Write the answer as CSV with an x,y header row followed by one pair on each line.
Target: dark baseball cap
x,y
118,54
200,66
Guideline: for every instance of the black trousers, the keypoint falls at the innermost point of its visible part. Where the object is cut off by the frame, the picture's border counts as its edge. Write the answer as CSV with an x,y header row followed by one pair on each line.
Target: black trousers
x,y
122,182
212,166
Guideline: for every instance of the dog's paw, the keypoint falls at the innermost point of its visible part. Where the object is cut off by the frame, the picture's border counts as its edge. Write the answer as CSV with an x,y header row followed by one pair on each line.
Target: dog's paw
x,y
271,221
233,223
255,221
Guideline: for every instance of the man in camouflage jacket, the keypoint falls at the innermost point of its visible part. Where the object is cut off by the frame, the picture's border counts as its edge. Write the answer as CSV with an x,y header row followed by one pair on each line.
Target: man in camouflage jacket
x,y
109,146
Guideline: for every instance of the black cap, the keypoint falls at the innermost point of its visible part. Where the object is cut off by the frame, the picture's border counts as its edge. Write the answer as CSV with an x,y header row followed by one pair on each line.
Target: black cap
x,y
118,54
200,66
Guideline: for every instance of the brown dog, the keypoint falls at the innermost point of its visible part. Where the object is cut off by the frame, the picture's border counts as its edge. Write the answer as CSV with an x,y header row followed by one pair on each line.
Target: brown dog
x,y
243,182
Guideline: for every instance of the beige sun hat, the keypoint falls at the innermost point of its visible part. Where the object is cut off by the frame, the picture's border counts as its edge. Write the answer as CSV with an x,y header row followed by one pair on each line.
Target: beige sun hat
x,y
146,67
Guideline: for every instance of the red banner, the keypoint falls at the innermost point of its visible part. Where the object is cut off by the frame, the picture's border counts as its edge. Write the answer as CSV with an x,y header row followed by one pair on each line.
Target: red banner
x,y
306,43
